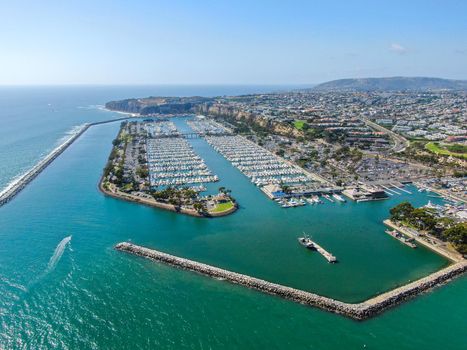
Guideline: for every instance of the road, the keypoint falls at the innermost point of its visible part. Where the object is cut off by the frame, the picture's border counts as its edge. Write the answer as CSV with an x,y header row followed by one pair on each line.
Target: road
x,y
400,142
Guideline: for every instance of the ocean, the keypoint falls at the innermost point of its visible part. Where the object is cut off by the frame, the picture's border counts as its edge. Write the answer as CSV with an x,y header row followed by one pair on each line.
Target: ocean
x,y
63,286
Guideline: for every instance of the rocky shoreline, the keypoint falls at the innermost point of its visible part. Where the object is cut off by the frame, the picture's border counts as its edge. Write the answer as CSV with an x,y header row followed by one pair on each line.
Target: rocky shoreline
x,y
360,311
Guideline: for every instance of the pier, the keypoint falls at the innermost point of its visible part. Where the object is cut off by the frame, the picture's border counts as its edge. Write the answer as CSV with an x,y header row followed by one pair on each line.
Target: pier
x,y
359,311
389,191
401,189
328,256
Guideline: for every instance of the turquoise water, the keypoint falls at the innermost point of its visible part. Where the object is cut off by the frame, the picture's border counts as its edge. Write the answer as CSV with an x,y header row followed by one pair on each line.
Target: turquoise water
x,y
89,296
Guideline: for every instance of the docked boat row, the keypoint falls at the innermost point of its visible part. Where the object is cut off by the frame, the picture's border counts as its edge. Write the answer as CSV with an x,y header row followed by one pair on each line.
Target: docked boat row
x,y
259,165
161,128
204,126
291,202
172,161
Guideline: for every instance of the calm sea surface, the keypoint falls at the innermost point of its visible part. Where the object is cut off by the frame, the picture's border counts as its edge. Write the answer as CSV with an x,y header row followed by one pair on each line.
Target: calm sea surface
x,y
85,295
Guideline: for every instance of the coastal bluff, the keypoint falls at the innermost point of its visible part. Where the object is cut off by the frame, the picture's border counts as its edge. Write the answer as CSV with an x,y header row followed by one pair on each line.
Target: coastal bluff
x,y
360,311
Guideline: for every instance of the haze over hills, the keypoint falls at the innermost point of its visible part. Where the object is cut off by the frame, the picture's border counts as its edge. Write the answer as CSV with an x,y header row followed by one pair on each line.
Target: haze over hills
x,y
391,84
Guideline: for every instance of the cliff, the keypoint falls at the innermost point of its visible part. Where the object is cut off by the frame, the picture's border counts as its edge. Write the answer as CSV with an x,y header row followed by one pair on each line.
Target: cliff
x,y
156,105
227,111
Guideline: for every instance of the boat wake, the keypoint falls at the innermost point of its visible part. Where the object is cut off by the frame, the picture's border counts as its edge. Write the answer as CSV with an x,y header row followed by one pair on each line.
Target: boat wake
x,y
53,261
57,255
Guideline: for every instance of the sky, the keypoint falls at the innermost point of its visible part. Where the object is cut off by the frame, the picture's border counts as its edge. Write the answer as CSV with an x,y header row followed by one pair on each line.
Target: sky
x,y
229,42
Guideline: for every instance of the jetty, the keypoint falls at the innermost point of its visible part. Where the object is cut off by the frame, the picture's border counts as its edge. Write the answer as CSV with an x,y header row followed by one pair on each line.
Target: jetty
x,y
19,184
359,311
16,187
328,256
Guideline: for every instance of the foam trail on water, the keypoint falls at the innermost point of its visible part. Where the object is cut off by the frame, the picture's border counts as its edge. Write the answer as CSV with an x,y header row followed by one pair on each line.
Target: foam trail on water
x,y
68,135
58,253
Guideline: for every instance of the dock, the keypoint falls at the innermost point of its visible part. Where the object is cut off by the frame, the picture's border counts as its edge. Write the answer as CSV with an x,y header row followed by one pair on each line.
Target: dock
x,y
389,190
401,189
328,256
359,311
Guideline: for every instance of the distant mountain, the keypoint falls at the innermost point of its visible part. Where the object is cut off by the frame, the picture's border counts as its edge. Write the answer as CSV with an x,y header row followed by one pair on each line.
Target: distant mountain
x,y
391,84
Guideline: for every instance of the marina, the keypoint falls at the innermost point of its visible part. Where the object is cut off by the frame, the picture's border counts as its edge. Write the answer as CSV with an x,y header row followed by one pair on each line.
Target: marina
x,y
231,243
204,126
260,166
172,162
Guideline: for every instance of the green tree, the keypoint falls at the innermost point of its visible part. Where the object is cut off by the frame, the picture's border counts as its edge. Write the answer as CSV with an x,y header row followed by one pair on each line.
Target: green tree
x,y
401,211
457,235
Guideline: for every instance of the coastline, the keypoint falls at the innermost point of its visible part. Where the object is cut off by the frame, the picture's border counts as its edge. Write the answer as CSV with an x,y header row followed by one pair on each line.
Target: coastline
x,y
447,253
359,311
153,203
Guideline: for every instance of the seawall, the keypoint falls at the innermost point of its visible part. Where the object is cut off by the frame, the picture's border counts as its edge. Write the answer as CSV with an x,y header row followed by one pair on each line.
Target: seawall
x,y
30,175
360,311
10,192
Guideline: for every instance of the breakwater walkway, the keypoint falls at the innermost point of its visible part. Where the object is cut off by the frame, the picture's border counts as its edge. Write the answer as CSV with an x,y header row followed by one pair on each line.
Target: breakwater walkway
x,y
17,186
360,311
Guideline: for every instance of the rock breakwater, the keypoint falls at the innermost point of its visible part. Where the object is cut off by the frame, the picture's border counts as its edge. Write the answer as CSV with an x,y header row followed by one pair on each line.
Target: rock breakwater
x,y
30,175
360,311
17,186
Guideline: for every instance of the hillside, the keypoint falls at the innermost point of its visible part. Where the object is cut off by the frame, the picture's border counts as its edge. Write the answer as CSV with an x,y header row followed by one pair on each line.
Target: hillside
x,y
391,84
151,105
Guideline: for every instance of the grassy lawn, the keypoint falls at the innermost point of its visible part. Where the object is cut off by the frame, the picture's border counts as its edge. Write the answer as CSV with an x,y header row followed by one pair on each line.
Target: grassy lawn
x,y
298,124
437,149
223,207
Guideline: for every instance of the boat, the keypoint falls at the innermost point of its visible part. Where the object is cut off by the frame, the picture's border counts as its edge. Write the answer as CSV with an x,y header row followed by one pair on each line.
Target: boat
x,y
293,202
401,238
306,242
338,197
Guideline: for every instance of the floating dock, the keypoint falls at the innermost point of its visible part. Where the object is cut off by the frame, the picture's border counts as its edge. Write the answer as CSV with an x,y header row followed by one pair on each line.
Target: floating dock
x,y
360,311
401,189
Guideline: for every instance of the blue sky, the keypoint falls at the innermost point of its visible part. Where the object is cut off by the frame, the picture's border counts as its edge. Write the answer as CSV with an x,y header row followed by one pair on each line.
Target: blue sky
x,y
229,42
